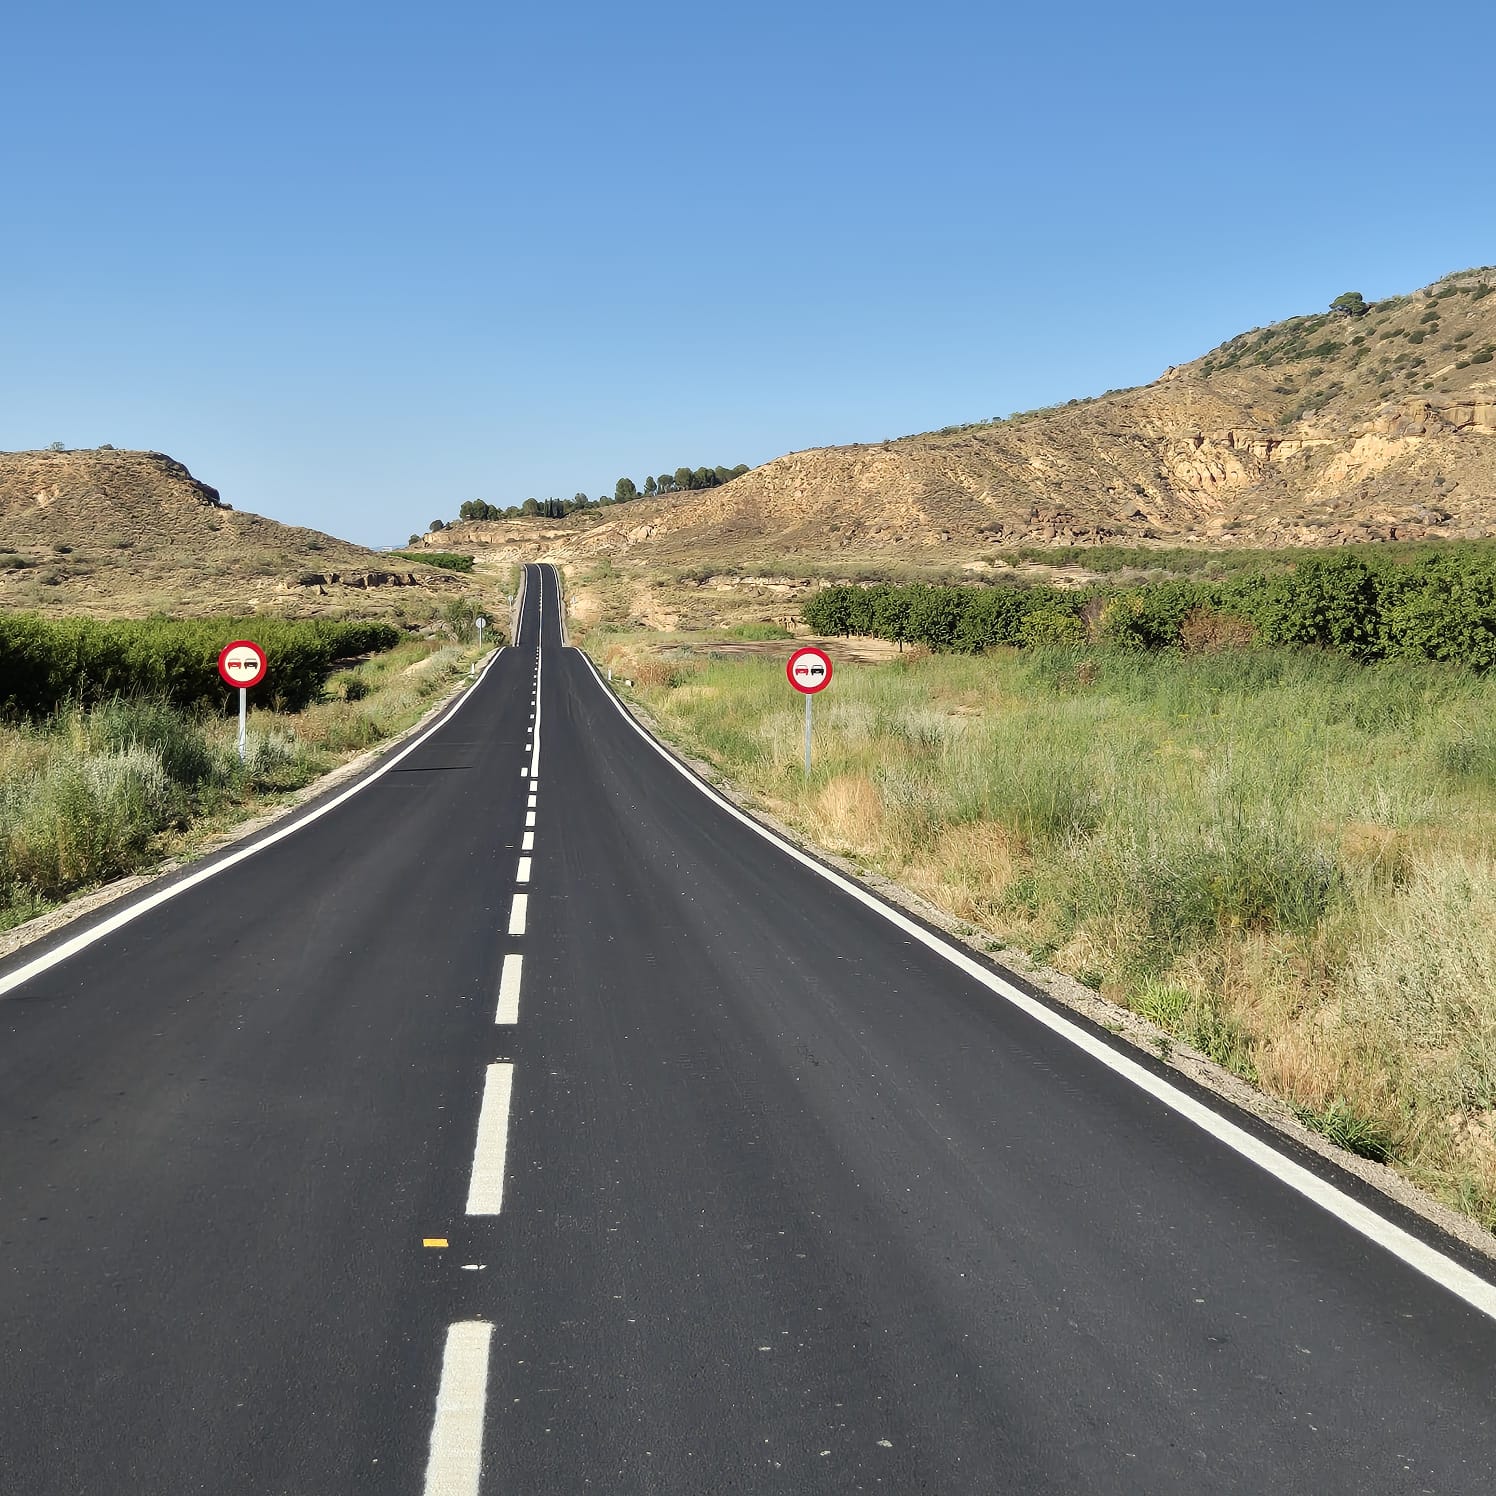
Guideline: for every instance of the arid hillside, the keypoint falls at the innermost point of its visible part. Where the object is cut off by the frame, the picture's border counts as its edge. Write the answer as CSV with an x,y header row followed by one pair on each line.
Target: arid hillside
x,y
127,534
1375,423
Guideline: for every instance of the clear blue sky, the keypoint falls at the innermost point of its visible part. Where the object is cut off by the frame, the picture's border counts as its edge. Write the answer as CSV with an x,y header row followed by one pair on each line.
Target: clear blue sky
x,y
356,263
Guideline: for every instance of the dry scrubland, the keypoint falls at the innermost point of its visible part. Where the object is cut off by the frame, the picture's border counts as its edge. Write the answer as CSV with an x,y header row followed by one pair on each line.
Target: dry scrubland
x,y
1283,859
90,795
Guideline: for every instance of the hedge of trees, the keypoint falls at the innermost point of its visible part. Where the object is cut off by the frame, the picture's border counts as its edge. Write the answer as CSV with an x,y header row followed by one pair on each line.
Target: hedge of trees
x,y
447,560
51,662
682,480
1439,606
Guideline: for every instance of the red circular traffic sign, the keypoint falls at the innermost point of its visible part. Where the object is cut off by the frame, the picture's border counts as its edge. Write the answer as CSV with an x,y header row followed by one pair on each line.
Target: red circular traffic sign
x,y
242,663
809,670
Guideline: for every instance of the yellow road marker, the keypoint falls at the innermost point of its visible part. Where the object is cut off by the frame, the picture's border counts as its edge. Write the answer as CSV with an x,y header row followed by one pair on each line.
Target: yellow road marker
x,y
433,1241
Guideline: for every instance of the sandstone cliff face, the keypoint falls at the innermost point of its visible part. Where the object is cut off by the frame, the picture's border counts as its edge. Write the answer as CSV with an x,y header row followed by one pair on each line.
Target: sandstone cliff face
x,y
129,533
1316,431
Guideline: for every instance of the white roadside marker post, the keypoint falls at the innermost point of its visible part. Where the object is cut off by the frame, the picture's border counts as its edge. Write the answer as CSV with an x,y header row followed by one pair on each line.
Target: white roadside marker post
x,y
481,623
809,671
242,664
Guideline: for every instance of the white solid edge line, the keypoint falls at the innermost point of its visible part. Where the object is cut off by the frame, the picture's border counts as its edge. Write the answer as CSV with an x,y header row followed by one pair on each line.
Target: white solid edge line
x,y
486,1190
455,1462
123,917
522,873
508,1011
1432,1263
517,912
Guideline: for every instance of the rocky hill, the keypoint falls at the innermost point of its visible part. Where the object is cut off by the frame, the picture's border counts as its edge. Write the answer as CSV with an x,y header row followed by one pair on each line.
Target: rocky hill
x,y
1375,423
132,533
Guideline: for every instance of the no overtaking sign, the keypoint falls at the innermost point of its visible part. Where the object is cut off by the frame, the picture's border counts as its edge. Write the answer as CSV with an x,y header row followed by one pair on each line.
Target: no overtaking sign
x,y
242,664
809,671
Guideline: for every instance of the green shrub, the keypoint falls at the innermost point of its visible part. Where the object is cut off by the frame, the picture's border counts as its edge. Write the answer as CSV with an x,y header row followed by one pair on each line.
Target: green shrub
x,y
178,742
1171,891
1349,1129
84,820
1052,627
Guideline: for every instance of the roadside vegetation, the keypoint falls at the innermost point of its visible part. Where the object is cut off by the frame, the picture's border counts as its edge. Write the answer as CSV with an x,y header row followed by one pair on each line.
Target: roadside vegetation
x,y
1439,604
52,661
107,772
1281,856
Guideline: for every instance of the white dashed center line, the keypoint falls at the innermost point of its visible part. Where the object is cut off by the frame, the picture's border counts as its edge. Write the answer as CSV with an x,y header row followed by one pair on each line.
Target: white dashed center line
x,y
509,990
522,875
528,845
486,1191
456,1458
529,820
517,914
535,750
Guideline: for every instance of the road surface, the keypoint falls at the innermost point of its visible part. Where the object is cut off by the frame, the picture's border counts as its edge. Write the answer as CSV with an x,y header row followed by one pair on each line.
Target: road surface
x,y
745,1187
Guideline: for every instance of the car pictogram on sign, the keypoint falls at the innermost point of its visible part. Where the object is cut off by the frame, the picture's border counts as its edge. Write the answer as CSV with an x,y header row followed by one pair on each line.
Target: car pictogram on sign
x,y
242,663
809,670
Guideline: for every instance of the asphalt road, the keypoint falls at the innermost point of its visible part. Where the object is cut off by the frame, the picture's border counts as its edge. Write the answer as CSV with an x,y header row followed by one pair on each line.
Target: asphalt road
x,y
749,1189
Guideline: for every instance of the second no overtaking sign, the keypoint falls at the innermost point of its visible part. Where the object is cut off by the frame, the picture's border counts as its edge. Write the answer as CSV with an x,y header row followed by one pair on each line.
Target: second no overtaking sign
x,y
809,671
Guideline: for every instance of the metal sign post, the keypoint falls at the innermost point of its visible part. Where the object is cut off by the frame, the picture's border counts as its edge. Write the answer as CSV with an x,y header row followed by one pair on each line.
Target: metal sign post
x,y
809,671
242,664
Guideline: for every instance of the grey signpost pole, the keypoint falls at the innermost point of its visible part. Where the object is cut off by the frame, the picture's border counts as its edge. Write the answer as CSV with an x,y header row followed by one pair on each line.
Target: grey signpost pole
x,y
243,710
807,737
